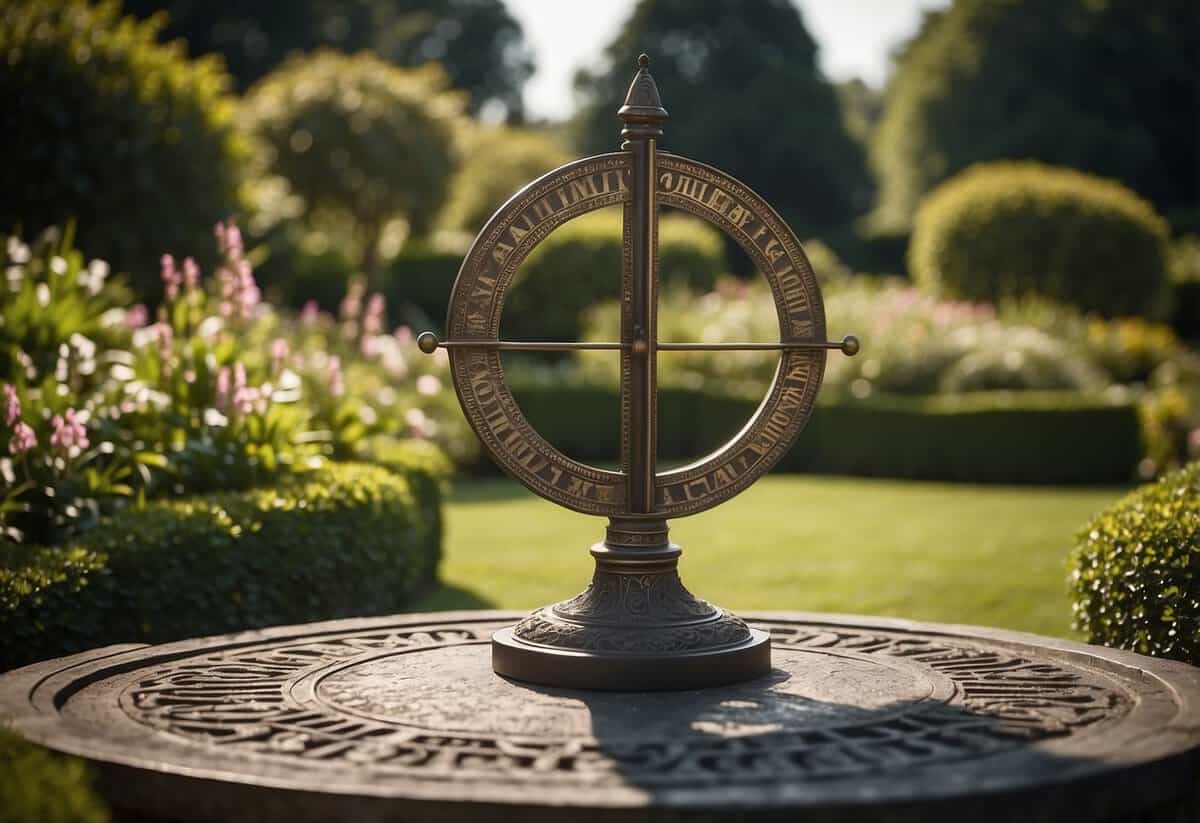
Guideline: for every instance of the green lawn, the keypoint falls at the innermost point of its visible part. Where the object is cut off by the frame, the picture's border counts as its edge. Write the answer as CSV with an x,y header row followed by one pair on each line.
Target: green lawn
x,y
966,554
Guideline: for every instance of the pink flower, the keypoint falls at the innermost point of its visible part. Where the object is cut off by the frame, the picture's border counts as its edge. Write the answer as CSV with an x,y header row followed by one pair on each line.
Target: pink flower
x,y
428,384
23,439
373,320
136,316
170,277
68,433
191,274
403,335
337,380
12,405
239,291
221,391
279,353
310,313
351,306
166,340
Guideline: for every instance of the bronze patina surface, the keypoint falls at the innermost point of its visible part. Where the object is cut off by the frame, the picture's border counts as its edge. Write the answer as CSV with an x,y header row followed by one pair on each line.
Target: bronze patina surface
x,y
636,626
402,718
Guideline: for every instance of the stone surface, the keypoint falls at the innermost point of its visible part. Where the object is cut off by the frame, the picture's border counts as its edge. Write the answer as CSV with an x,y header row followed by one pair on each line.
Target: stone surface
x,y
402,718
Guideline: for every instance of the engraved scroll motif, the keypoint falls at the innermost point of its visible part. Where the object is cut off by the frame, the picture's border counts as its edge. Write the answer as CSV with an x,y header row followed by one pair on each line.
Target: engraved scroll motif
x,y
242,700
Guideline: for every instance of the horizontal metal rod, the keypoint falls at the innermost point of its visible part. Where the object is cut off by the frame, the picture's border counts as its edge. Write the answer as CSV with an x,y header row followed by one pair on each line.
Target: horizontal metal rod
x,y
429,342
798,344
527,345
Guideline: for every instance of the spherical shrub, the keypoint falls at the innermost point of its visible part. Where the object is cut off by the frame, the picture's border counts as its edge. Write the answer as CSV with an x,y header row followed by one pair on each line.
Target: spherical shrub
x,y
1010,229
1135,572
579,265
362,142
105,125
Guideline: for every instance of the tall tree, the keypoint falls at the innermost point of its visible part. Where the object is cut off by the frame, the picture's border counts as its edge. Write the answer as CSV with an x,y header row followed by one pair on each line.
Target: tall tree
x,y
741,82
1106,86
479,44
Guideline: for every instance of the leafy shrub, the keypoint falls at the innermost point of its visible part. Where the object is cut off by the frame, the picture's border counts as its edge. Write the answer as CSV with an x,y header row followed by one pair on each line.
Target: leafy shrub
x,y
1135,571
914,344
99,405
104,124
579,265
361,142
497,162
418,282
345,540
49,788
1012,229
1185,273
982,437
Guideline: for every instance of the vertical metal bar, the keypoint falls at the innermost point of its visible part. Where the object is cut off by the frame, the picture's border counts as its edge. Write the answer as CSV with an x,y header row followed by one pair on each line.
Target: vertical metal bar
x,y
643,116
641,405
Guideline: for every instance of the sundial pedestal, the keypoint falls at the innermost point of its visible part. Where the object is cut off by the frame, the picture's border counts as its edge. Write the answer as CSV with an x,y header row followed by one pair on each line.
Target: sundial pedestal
x,y
636,627
403,718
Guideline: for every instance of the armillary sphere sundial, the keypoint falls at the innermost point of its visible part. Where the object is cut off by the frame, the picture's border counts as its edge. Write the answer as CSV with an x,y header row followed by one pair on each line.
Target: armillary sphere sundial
x,y
402,717
636,626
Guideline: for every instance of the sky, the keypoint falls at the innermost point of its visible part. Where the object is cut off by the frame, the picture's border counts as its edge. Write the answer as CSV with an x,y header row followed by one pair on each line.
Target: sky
x,y
855,38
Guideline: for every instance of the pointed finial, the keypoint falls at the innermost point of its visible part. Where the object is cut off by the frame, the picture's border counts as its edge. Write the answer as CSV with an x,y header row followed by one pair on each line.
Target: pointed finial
x,y
643,112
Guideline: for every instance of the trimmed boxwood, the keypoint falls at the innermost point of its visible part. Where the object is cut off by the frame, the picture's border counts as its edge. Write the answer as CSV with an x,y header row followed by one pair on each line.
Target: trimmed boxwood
x,y
37,785
989,437
104,124
344,540
1010,229
1135,571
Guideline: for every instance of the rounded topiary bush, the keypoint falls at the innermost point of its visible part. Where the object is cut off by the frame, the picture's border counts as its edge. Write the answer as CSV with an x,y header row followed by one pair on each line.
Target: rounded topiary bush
x,y
105,125
579,265
1010,229
360,141
1135,573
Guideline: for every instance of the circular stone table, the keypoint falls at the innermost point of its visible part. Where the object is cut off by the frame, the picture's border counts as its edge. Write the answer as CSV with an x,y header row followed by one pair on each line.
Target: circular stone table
x,y
402,718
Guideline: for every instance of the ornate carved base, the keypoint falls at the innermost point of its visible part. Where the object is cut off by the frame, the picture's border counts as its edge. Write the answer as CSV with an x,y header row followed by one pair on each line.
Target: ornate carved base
x,y
635,628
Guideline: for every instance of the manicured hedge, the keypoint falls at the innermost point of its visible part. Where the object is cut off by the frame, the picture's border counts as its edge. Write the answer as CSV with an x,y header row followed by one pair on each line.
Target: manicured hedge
x,y
345,540
105,124
1135,571
36,785
990,437
1010,229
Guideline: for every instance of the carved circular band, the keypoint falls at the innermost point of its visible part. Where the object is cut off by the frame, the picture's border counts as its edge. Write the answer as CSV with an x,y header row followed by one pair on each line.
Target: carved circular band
x,y
477,301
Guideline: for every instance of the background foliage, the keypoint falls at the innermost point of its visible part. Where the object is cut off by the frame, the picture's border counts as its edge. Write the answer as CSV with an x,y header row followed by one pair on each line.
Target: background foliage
x,y
478,42
105,125
745,94
1094,85
359,142
1005,229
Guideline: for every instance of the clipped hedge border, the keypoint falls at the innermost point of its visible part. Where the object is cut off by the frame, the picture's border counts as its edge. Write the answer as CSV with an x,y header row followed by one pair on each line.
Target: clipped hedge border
x,y
345,540
985,437
1135,571
39,785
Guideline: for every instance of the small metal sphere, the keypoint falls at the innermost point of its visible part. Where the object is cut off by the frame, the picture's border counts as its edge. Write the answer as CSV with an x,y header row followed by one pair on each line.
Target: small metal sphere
x,y
850,345
427,342
643,60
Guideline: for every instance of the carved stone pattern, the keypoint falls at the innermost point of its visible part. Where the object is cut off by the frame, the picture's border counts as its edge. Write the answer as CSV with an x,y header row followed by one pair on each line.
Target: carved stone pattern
x,y
541,628
241,700
644,599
